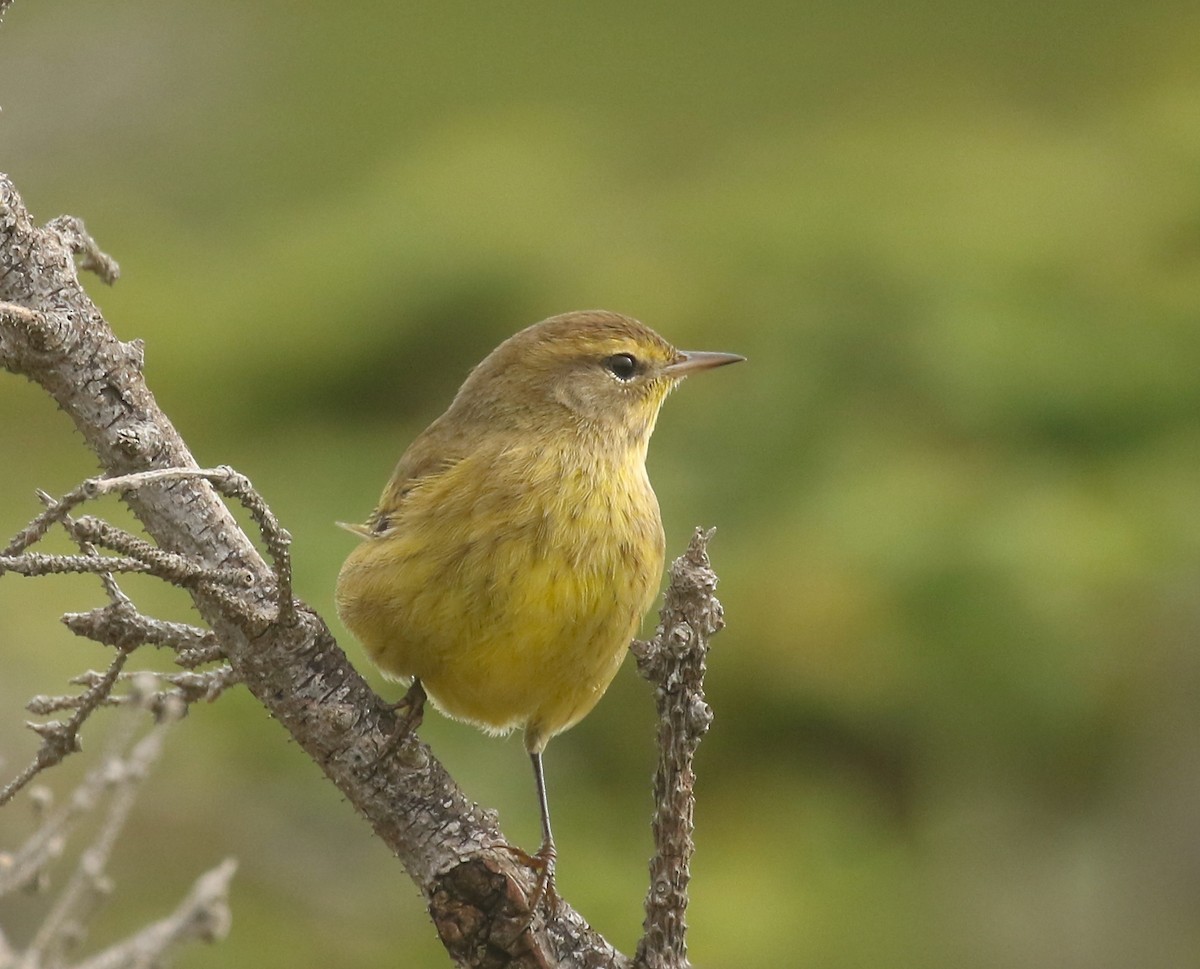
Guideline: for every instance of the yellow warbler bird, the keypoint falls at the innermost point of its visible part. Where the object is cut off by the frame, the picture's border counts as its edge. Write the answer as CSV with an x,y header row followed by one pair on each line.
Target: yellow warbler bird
x,y
518,544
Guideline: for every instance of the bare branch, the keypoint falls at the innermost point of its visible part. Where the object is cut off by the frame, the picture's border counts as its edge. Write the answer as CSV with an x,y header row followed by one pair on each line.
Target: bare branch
x,y
25,867
206,686
65,926
163,564
73,234
167,566
478,894
277,538
674,661
202,916
56,511
232,484
125,627
117,599
38,333
39,563
188,688
60,739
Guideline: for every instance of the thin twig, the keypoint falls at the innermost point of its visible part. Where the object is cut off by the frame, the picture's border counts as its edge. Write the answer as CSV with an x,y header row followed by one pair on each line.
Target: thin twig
x,y
60,739
294,669
115,596
169,566
188,686
71,230
42,563
65,924
674,661
117,625
231,484
27,864
203,915
56,511
277,538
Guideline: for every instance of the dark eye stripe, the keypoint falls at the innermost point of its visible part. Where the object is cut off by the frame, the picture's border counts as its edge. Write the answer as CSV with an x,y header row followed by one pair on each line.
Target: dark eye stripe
x,y
621,365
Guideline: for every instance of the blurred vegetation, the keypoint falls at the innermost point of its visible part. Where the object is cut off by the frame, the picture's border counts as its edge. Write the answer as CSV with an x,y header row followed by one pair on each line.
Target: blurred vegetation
x,y
958,701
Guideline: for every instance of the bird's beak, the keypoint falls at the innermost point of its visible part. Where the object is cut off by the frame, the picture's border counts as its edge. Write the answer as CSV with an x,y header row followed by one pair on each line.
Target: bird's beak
x,y
689,361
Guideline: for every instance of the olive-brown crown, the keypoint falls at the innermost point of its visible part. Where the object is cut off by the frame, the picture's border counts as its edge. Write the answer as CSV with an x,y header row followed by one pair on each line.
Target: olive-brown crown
x,y
592,367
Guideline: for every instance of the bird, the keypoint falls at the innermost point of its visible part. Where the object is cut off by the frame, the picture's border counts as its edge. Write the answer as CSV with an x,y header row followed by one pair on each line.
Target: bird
x,y
518,545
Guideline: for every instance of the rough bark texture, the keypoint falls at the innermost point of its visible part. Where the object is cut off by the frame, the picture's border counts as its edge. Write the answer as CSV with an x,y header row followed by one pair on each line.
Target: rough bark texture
x,y
51,332
675,661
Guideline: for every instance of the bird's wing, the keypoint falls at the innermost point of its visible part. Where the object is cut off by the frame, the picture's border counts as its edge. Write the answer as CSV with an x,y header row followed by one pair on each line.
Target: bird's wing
x,y
431,454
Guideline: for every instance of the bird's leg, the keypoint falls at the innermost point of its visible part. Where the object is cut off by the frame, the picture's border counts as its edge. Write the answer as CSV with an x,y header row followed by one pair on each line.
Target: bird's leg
x,y
543,861
409,712
546,854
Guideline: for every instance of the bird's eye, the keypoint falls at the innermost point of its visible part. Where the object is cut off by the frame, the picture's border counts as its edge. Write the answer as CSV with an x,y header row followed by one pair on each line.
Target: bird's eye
x,y
621,365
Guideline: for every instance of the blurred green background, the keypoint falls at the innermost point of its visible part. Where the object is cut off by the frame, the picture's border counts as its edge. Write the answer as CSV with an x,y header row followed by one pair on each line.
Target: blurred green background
x,y
956,486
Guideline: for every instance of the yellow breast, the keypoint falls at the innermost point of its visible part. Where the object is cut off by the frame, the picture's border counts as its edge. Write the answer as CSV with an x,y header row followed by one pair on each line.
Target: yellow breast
x,y
510,584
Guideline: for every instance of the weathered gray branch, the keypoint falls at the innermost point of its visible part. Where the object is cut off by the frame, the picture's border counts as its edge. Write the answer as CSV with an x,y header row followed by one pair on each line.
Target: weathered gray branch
x,y
61,738
675,662
203,915
477,892
109,791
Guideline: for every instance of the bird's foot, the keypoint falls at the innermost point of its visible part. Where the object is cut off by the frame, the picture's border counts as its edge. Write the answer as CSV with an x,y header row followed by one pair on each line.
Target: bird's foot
x,y
543,864
409,712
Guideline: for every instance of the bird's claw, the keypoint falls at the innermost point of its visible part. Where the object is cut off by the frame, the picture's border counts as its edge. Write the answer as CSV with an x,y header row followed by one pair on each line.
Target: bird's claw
x,y
409,712
543,864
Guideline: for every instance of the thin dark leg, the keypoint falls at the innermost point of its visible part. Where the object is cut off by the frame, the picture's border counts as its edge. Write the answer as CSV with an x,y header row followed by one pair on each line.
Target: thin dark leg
x,y
546,854
540,780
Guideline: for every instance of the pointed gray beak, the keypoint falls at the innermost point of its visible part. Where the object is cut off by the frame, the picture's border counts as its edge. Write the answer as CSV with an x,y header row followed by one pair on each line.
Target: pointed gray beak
x,y
690,361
